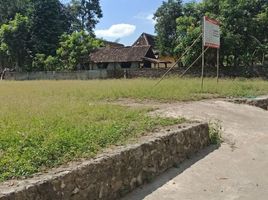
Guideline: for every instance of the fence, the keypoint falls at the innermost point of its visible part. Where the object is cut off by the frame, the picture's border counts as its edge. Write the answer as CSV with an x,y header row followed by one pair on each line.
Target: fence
x,y
247,72
76,75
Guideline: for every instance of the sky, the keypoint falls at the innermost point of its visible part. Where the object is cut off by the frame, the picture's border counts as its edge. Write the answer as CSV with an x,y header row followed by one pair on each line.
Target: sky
x,y
125,20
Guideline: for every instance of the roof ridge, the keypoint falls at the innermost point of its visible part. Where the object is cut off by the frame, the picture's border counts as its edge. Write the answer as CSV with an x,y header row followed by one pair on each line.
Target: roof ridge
x,y
149,34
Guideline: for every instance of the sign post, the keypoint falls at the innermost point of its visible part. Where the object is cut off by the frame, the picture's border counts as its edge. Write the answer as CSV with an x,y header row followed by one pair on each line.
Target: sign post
x,y
211,39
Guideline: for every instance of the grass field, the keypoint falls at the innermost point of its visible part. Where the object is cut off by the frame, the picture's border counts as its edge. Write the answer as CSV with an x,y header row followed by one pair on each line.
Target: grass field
x,y
47,123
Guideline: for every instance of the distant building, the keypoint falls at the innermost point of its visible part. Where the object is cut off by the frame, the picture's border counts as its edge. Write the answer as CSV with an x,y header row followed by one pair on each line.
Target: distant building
x,y
146,39
142,54
123,58
112,44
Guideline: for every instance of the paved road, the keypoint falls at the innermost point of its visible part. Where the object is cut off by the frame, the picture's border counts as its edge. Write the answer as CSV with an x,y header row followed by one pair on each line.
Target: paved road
x,y
237,170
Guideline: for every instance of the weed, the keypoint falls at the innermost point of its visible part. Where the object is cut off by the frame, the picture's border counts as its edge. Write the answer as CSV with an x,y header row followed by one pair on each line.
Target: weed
x,y
215,133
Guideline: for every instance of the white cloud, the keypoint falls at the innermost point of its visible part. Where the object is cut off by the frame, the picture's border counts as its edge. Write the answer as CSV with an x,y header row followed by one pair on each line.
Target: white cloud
x,y
149,17
116,31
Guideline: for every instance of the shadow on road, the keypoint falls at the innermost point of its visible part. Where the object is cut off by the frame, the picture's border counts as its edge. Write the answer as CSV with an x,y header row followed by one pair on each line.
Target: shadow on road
x,y
143,191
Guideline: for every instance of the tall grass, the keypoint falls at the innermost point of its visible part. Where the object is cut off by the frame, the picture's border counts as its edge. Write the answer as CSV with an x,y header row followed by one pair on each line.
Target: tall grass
x,y
169,89
47,123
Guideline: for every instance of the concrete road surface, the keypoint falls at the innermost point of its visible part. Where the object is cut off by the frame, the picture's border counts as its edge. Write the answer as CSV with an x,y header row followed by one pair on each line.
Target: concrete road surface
x,y
237,170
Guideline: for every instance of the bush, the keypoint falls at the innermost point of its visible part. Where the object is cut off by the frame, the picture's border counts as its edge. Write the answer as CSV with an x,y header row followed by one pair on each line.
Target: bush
x,y
43,63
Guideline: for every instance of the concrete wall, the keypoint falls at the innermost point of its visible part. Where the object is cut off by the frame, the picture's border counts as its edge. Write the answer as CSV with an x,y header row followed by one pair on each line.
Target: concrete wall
x,y
133,72
114,173
77,75
115,66
110,72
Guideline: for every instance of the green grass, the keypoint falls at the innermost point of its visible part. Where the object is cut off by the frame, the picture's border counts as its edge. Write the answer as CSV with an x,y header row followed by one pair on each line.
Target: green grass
x,y
170,89
47,123
54,133
215,130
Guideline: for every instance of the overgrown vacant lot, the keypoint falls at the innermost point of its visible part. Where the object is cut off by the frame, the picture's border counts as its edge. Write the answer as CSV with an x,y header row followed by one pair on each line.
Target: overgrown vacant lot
x,y
47,123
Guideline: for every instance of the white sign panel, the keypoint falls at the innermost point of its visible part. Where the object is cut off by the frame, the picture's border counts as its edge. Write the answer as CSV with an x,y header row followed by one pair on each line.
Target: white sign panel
x,y
211,33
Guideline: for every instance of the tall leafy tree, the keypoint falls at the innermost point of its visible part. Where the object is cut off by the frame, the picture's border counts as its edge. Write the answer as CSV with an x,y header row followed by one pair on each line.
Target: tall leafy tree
x,y
86,14
188,30
14,37
9,9
49,20
165,27
4,57
239,29
75,48
244,27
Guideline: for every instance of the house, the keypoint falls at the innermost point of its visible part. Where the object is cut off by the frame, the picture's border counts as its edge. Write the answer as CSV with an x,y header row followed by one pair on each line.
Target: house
x,y
123,58
142,54
111,44
146,39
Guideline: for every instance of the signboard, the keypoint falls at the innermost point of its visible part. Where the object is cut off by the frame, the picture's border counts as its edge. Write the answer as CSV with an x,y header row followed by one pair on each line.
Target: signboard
x,y
211,33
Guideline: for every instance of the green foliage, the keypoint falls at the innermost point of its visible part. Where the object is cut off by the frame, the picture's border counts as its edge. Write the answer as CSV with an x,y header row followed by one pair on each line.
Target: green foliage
x,y
188,30
37,40
39,62
72,53
244,27
165,27
86,14
4,56
9,9
75,48
52,64
49,21
238,26
43,63
14,38
215,133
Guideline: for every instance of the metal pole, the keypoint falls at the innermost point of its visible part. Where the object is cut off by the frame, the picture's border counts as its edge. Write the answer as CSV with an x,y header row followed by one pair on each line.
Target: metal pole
x,y
218,64
194,62
178,60
203,57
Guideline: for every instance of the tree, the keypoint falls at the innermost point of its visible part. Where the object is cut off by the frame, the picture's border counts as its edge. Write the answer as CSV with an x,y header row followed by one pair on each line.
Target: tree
x,y
9,9
165,27
39,62
261,37
244,27
14,38
4,57
240,28
75,48
188,30
49,20
43,63
86,14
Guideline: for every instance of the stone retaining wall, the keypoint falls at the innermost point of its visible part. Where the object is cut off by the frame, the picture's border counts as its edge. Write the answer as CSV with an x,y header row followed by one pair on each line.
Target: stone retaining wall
x,y
261,102
115,173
